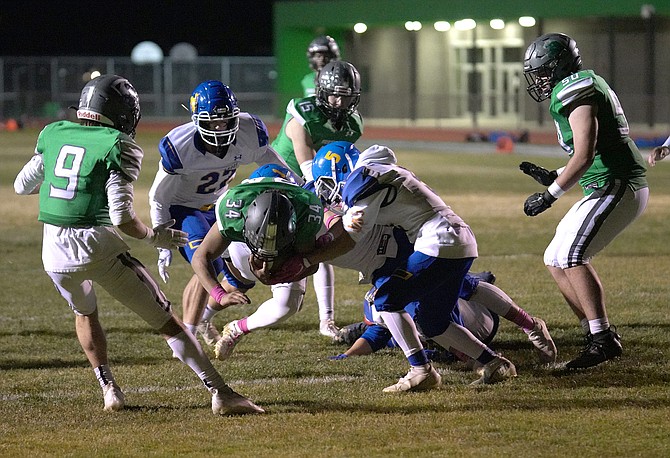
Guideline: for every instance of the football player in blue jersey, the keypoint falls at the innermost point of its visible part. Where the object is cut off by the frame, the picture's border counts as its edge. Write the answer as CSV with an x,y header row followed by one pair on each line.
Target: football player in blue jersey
x,y
379,193
605,162
198,160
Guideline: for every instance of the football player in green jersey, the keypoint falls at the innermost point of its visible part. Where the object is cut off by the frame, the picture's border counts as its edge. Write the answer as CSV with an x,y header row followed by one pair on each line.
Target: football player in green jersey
x,y
320,51
274,217
84,173
605,162
331,115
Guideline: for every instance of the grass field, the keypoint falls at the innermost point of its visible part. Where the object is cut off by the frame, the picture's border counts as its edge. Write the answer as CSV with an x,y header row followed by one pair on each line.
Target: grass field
x,y
51,405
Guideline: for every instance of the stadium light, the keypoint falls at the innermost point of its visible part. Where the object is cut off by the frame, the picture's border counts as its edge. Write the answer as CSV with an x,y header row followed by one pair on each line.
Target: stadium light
x,y
497,24
360,27
442,26
526,21
465,24
413,26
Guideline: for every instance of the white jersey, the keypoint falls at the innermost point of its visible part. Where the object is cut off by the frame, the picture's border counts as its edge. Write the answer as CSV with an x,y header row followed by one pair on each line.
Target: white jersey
x,y
369,253
379,192
189,176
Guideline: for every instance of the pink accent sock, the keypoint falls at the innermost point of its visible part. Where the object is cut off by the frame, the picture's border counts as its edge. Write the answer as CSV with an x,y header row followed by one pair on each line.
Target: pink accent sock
x,y
521,319
242,324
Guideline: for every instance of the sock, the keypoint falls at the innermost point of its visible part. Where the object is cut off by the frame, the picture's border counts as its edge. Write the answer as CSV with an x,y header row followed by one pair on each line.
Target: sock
x,y
599,325
461,339
418,359
521,318
191,327
208,314
185,346
584,323
104,375
404,332
324,288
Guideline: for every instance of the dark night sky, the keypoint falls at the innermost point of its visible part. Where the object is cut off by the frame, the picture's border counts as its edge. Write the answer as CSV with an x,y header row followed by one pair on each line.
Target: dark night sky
x,y
114,27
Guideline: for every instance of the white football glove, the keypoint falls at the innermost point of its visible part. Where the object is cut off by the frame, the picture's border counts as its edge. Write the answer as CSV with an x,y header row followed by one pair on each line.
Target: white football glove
x,y
164,260
162,236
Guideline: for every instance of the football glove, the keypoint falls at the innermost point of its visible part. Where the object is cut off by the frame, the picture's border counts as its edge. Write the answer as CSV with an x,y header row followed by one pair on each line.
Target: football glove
x,y
539,174
338,357
537,203
164,260
293,268
162,236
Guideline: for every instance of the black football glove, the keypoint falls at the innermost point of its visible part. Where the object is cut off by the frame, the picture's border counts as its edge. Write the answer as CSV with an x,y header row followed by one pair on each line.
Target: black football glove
x,y
539,174
537,203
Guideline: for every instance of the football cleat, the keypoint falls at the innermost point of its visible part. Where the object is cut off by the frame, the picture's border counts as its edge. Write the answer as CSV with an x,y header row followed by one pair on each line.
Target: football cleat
x,y
226,344
419,378
327,328
599,348
544,345
497,370
114,398
208,333
350,333
228,402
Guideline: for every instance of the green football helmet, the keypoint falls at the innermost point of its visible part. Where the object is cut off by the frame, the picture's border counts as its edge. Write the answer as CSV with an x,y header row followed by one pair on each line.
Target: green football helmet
x,y
548,60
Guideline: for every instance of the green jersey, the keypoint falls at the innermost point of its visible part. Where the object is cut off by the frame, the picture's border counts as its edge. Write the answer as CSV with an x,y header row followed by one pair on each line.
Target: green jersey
x,y
77,164
231,209
308,84
319,128
616,156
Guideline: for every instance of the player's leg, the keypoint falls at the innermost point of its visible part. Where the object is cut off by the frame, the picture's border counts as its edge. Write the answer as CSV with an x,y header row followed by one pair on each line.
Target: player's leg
x,y
590,226
390,298
286,300
78,291
129,282
324,288
496,300
194,297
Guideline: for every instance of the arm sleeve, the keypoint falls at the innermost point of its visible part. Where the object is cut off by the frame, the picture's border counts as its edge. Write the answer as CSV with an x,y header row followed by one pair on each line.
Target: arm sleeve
x,y
161,195
120,197
30,177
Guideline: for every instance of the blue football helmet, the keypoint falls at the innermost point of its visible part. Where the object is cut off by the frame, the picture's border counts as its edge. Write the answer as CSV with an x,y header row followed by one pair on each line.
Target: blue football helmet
x,y
215,113
276,171
331,166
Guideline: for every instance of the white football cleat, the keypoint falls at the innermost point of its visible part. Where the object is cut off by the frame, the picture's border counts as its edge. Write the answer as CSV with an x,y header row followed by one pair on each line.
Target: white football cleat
x,y
228,402
419,378
327,328
539,336
226,344
208,332
497,370
114,398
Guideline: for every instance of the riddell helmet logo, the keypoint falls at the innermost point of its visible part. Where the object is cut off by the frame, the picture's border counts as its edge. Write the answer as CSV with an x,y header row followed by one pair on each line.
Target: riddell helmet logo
x,y
81,114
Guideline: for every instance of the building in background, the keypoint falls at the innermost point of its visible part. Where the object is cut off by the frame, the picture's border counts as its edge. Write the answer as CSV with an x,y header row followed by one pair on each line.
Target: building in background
x,y
451,62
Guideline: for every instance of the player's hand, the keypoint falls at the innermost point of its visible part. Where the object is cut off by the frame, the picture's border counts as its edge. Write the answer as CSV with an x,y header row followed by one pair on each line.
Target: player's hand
x,y
659,153
164,237
539,174
164,261
537,203
234,298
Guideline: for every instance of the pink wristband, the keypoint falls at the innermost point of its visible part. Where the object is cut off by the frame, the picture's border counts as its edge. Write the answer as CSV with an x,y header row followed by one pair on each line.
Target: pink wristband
x,y
330,220
217,293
